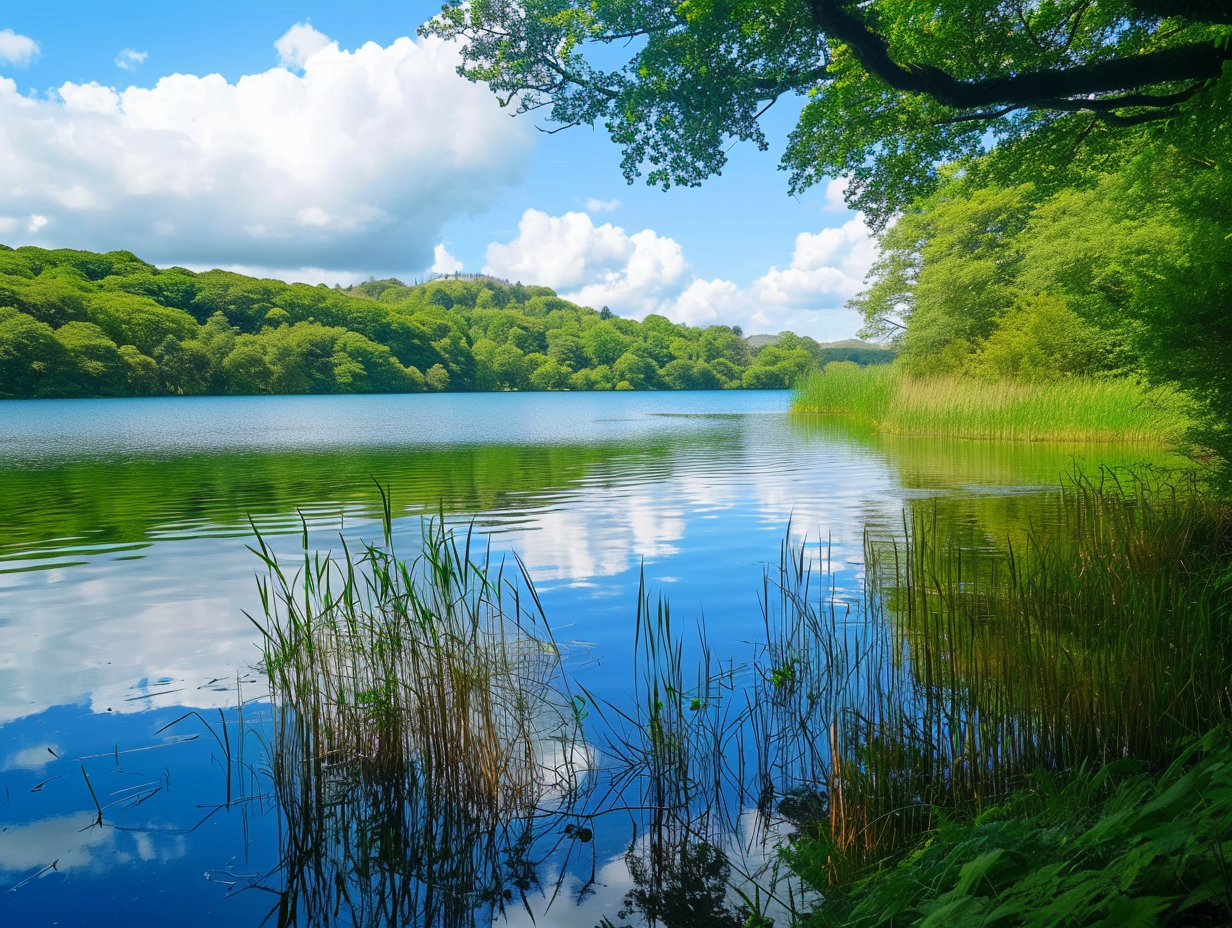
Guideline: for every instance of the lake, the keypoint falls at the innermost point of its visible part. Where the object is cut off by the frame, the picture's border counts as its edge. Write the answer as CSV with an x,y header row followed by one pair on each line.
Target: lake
x,y
127,582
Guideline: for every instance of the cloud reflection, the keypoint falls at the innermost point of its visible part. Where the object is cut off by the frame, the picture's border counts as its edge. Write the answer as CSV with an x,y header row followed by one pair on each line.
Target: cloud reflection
x,y
169,628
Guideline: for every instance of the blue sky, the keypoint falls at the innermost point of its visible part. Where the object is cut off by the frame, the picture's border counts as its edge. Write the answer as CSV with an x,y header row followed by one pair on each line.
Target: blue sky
x,y
368,156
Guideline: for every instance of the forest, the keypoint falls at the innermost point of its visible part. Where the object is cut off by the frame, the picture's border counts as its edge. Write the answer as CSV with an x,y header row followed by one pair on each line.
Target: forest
x,y
80,324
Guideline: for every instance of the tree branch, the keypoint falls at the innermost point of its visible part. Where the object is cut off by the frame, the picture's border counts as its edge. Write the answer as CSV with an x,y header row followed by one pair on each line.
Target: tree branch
x,y
1200,11
776,86
1100,107
1138,119
1195,62
570,78
978,116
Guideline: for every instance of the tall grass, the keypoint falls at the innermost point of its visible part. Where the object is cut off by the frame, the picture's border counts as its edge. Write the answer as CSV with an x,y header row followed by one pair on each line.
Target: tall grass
x,y
427,743
1108,638
423,732
1075,409
677,761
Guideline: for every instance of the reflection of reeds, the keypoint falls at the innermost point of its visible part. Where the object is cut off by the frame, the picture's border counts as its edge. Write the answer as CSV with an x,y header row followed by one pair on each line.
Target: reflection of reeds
x,y
417,706
421,729
970,668
676,759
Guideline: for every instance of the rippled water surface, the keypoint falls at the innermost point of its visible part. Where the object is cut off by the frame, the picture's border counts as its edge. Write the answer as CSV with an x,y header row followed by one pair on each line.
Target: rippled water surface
x,y
126,576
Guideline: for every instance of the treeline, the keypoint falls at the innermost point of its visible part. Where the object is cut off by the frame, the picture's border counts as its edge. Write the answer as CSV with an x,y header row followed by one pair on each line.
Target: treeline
x,y
1010,282
1126,269
76,324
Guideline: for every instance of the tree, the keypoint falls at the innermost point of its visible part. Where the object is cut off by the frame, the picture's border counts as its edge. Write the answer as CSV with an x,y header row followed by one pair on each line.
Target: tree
x,y
142,372
32,359
639,373
605,343
1037,339
1002,280
567,349
185,366
95,366
894,87
550,375
437,378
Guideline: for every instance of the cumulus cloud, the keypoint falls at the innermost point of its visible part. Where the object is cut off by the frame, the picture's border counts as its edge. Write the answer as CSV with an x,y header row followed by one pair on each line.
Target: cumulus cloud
x,y
597,265
836,189
644,272
443,262
298,44
601,206
830,263
355,163
130,60
17,49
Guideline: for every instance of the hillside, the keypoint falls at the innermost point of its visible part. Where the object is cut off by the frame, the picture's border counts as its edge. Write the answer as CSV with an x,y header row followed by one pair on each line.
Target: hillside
x,y
80,324
847,349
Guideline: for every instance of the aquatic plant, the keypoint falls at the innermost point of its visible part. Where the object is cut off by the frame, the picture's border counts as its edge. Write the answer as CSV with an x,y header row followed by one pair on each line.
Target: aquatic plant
x,y
426,737
680,760
1106,637
423,731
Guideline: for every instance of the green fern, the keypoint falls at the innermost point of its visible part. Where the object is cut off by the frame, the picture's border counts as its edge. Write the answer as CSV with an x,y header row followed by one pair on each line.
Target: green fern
x,y
1113,848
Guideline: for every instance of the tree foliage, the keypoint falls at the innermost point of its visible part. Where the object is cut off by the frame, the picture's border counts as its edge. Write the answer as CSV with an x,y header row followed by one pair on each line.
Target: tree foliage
x,y
81,324
895,88
1126,273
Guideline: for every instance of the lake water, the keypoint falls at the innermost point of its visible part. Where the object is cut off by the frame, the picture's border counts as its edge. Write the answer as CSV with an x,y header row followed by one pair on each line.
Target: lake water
x,y
126,579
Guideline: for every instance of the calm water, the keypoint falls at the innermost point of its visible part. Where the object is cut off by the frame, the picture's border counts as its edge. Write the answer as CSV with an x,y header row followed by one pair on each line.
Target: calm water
x,y
125,577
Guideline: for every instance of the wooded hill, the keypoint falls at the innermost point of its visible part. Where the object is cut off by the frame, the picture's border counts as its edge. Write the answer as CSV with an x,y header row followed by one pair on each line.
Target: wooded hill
x,y
80,324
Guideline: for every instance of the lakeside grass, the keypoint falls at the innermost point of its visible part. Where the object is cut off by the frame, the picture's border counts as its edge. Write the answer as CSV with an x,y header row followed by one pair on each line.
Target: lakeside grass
x,y
980,703
1076,409
1109,846
1015,699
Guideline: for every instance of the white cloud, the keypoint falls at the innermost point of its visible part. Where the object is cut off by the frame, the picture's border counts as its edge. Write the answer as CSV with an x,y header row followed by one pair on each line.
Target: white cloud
x,y
130,60
17,49
835,191
355,163
298,44
602,265
32,758
444,262
831,263
598,265
601,206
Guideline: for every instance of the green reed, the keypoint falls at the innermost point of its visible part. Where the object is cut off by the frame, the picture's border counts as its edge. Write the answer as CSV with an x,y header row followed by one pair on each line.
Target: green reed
x,y
425,735
1105,636
1073,409
423,731
682,763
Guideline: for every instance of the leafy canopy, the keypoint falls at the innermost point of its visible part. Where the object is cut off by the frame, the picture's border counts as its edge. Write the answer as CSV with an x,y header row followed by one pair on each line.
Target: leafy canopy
x,y
894,87
81,324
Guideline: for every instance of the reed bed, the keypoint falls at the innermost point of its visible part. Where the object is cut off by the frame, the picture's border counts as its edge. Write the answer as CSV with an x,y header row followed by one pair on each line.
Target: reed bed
x,y
1076,409
682,762
424,734
427,743
967,670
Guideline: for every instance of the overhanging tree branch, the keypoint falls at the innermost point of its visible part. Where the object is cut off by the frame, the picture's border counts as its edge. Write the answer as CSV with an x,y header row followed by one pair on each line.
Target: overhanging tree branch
x,y
1199,61
1200,11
